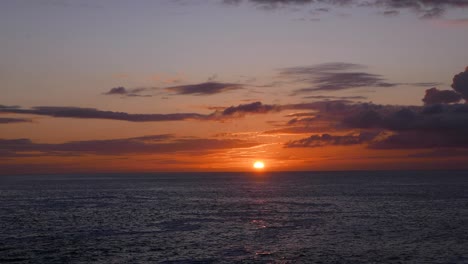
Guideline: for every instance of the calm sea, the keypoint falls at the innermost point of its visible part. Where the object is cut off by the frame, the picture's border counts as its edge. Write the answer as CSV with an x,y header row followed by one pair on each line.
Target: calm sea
x,y
301,217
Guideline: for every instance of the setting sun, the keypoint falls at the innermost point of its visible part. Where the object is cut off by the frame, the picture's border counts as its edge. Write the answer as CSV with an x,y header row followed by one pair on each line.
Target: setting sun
x,y
259,165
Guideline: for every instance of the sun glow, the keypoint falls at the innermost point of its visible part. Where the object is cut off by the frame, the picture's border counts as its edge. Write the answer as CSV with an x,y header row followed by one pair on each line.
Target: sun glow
x,y
259,165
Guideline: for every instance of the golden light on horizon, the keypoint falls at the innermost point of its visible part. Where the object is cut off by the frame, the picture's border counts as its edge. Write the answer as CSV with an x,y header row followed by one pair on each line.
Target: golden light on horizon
x,y
259,165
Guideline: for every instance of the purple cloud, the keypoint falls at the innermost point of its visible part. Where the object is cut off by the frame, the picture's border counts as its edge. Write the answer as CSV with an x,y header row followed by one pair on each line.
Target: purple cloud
x,y
207,88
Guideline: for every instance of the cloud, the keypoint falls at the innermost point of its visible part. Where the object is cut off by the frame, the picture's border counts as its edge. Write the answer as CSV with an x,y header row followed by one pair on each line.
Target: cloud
x,y
333,77
424,8
220,113
435,96
419,140
135,92
8,107
327,140
207,88
7,120
139,145
397,127
329,97
430,118
252,108
432,126
460,83
91,113
390,13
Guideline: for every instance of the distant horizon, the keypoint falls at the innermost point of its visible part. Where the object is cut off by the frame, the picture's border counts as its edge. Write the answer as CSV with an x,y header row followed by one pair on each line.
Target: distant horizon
x,y
251,172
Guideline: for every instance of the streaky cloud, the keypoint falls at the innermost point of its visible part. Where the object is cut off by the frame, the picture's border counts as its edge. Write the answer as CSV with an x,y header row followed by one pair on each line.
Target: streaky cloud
x,y
135,92
207,88
425,9
92,113
335,140
7,120
152,144
333,77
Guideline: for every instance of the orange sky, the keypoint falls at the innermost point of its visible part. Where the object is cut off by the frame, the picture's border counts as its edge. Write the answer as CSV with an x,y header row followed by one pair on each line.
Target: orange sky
x,y
210,86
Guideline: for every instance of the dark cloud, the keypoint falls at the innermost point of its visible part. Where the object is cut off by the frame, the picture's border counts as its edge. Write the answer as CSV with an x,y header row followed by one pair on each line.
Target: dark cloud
x,y
9,107
140,145
423,8
419,140
7,120
207,88
436,96
424,119
333,77
330,106
91,113
460,83
220,113
117,90
391,13
256,107
432,126
135,92
327,139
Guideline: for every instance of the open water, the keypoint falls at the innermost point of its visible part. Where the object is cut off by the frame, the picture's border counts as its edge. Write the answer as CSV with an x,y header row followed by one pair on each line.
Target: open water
x,y
287,217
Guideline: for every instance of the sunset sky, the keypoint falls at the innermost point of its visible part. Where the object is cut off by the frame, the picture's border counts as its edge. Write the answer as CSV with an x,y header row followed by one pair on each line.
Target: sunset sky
x,y
212,85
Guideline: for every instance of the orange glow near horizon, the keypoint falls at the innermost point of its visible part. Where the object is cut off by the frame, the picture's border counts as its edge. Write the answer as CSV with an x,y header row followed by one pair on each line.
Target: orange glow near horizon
x,y
259,165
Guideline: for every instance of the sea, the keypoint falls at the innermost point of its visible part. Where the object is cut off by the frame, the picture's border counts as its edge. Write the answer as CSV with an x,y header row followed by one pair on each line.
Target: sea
x,y
280,217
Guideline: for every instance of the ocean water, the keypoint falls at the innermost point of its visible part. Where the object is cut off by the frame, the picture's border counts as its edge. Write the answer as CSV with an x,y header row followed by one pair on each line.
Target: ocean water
x,y
302,217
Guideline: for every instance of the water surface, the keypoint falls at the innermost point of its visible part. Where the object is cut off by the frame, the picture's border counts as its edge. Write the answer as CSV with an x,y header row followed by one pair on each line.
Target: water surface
x,y
302,217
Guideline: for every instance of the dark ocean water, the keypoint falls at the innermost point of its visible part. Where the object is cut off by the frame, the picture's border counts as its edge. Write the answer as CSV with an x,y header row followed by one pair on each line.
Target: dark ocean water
x,y
306,217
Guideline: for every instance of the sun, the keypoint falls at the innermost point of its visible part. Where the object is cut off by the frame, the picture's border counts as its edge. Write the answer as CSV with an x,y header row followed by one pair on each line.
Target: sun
x,y
259,165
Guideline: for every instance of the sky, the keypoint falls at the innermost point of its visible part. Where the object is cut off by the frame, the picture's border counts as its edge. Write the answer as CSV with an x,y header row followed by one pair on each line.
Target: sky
x,y
213,85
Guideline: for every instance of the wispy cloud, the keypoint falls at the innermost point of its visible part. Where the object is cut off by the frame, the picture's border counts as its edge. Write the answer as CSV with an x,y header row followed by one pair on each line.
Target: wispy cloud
x,y
327,140
134,92
7,120
207,88
333,77
423,8
92,113
337,76
153,144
